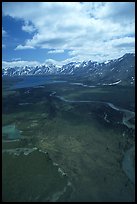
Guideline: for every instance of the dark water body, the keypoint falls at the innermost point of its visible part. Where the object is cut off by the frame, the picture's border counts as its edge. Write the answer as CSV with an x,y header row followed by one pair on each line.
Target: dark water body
x,y
32,81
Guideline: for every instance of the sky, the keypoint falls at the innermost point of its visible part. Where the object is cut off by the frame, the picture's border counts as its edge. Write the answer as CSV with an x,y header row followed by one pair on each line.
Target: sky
x,y
61,32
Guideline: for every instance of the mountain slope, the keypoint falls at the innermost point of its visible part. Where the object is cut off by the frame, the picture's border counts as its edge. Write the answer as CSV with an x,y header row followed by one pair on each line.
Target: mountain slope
x,y
121,70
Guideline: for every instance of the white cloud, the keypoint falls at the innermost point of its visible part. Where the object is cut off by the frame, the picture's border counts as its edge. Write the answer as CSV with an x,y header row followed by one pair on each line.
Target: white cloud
x,y
4,33
21,47
3,46
118,11
16,59
28,27
55,62
88,29
19,63
55,51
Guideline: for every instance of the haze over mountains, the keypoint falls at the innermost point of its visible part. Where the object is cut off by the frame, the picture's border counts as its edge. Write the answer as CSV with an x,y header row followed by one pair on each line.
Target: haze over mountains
x,y
121,70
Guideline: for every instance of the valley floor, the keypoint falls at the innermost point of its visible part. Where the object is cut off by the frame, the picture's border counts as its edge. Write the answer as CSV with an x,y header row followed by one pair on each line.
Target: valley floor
x,y
87,138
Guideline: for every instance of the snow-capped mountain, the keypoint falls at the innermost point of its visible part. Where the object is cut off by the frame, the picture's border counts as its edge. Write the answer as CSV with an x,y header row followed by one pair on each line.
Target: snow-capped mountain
x,y
29,70
121,69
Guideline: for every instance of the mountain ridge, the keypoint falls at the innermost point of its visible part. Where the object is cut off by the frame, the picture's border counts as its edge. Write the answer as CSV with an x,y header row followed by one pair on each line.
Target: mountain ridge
x,y
111,71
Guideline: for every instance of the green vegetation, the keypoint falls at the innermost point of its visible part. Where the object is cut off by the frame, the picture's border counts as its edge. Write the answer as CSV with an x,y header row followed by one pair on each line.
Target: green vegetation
x,y
77,137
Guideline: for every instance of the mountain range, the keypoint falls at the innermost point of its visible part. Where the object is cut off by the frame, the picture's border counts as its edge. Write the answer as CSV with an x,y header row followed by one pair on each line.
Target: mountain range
x,y
121,70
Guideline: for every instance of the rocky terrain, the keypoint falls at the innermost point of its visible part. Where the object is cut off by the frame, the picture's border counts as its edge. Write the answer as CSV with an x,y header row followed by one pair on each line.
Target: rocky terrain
x,y
121,70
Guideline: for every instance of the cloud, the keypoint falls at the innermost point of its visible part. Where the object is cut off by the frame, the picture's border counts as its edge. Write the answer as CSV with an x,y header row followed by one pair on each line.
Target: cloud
x,y
120,12
20,47
3,46
121,41
18,63
55,51
16,59
87,29
4,33
28,27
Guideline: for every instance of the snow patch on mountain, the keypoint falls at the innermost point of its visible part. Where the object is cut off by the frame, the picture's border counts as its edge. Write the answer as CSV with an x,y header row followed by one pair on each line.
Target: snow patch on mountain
x,y
98,72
